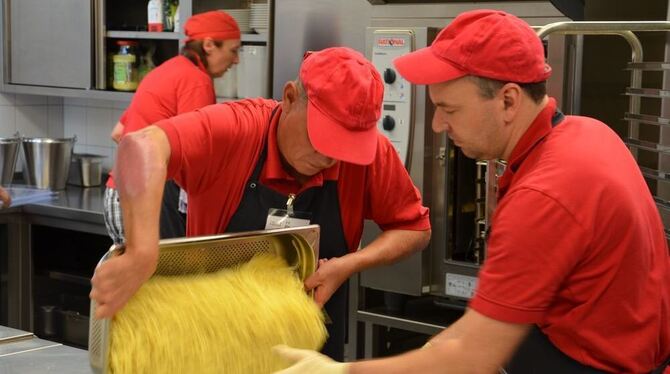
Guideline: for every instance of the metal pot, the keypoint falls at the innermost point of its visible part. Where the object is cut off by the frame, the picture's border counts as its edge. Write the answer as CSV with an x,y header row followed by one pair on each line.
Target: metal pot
x,y
86,170
46,162
9,150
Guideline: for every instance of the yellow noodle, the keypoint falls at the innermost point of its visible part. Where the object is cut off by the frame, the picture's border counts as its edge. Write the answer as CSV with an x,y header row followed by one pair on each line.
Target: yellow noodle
x,y
224,322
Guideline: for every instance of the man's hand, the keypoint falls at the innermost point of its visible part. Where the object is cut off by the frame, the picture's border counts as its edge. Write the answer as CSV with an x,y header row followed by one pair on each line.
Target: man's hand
x,y
309,362
116,280
5,198
330,274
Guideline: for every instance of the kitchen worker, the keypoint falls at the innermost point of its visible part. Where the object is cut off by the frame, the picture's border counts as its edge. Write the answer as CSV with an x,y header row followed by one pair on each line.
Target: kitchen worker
x,y
5,199
577,273
179,85
317,152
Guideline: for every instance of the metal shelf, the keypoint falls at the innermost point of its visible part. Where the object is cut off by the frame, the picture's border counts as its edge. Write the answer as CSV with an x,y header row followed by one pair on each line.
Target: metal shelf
x,y
655,174
647,146
649,66
255,38
144,35
249,38
648,92
646,118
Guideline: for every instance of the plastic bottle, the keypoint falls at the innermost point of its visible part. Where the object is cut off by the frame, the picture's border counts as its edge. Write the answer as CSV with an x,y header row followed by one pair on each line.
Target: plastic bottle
x,y
169,8
155,15
125,66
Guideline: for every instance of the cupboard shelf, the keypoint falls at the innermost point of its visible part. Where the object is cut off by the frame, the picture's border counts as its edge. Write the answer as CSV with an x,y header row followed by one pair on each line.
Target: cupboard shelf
x,y
252,38
144,35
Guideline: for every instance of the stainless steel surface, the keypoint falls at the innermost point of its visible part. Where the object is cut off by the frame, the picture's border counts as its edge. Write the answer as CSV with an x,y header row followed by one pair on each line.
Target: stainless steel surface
x,y
647,92
400,323
409,276
8,334
99,44
23,345
649,66
46,162
9,151
302,25
648,119
299,246
86,170
37,356
56,54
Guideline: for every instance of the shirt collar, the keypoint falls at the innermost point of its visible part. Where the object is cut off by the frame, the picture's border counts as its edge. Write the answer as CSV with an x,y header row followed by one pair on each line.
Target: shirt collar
x,y
273,169
538,130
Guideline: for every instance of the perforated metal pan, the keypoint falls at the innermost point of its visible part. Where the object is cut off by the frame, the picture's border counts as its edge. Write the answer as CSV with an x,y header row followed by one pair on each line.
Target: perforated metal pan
x,y
299,246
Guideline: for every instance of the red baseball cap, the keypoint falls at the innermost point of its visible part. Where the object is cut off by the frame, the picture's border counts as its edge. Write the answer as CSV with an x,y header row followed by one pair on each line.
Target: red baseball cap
x,y
344,94
486,43
215,24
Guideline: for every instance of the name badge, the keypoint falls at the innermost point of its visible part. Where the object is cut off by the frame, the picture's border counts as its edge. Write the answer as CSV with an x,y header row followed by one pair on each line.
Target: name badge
x,y
281,219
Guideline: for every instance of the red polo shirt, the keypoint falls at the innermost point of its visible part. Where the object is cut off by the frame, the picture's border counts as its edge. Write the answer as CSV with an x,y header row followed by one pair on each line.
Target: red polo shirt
x,y
577,246
174,87
214,151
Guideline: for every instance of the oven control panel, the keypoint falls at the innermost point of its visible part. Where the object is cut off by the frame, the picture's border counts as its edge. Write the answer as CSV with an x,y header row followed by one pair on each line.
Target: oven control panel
x,y
396,119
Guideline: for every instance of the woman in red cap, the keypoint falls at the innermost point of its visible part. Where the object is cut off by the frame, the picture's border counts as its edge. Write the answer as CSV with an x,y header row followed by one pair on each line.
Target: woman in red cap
x,y
179,85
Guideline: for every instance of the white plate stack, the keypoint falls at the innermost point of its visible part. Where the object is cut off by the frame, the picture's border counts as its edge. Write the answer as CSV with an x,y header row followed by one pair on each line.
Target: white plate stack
x,y
242,17
260,17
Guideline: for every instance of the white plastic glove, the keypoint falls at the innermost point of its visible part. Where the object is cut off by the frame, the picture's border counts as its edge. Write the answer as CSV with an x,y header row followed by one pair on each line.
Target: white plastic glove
x,y
310,362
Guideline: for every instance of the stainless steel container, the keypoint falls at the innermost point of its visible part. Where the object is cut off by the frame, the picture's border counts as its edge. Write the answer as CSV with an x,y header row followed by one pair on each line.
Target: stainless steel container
x,y
194,256
46,162
9,150
85,170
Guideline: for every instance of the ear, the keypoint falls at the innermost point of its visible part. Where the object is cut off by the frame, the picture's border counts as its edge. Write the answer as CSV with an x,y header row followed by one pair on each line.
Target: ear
x,y
511,95
290,97
208,45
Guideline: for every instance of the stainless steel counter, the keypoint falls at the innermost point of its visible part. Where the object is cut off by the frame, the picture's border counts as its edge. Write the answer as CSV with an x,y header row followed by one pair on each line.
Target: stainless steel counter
x,y
75,209
27,354
73,203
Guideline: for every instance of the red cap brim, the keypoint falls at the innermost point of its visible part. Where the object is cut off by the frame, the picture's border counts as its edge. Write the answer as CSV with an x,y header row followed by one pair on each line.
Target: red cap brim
x,y
424,67
333,140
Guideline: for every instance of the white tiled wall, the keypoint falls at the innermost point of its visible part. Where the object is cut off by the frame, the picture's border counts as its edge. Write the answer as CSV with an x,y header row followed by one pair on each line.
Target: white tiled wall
x,y
92,121
31,116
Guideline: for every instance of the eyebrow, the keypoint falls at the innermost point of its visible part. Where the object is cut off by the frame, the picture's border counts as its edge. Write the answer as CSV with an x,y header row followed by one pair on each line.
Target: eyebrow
x,y
442,104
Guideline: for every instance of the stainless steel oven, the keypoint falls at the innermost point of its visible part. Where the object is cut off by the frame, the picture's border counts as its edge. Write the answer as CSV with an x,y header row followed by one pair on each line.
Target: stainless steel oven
x,y
459,191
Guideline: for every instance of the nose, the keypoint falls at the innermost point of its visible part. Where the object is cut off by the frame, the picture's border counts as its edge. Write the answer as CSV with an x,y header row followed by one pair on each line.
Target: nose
x,y
439,125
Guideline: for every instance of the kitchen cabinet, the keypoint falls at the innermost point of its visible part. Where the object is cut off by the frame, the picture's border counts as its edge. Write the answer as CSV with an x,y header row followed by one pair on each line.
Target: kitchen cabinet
x,y
65,47
49,45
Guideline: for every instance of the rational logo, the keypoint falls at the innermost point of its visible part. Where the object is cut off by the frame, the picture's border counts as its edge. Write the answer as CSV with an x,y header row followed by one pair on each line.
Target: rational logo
x,y
390,42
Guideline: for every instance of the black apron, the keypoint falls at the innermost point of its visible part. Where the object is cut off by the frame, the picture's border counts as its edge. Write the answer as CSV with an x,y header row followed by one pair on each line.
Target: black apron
x,y
322,202
172,221
537,354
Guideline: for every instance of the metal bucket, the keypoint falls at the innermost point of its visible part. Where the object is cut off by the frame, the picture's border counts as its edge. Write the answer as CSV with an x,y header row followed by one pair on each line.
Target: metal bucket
x,y
46,162
9,150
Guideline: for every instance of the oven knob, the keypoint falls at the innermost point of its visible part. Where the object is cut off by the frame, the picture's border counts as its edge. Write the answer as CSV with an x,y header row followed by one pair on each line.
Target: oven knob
x,y
388,123
389,76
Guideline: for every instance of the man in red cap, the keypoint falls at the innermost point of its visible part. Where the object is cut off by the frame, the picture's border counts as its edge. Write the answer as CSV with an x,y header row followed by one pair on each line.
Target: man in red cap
x,y
179,85
317,153
576,279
